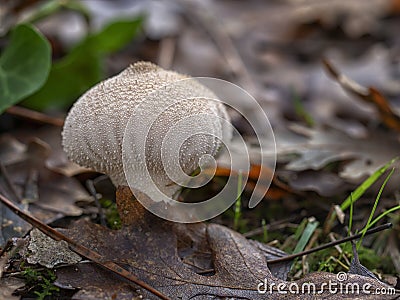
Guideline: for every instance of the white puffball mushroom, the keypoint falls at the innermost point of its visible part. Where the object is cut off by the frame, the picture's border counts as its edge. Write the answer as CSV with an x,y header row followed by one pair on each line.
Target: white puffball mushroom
x,y
94,128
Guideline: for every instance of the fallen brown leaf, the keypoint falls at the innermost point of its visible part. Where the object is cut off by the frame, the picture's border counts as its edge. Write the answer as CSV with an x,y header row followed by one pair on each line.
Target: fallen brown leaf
x,y
326,145
157,252
27,180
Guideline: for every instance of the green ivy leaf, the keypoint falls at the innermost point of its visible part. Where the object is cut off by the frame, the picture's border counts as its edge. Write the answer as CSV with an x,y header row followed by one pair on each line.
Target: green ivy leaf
x,y
82,67
115,35
24,65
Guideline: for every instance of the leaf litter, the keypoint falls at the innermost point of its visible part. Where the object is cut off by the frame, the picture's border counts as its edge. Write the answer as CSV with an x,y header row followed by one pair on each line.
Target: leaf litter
x,y
282,54
49,195
150,248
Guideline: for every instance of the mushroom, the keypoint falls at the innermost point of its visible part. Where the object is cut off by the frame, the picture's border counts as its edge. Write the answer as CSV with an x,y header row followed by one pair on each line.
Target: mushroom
x,y
96,124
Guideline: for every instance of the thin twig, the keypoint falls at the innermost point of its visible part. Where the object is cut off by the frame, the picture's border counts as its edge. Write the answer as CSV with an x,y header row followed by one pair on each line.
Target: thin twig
x,y
80,249
339,249
34,116
328,245
273,226
206,271
167,52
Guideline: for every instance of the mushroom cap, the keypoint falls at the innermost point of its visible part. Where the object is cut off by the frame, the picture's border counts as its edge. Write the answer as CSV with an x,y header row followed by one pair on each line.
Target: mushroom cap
x,y
95,126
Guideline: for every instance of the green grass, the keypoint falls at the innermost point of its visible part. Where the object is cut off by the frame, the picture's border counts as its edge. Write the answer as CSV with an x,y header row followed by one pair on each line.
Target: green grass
x,y
40,282
378,197
111,213
329,260
238,204
360,190
300,111
351,214
265,231
306,235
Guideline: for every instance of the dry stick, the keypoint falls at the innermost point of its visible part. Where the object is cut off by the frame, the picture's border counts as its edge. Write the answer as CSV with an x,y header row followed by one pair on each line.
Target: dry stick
x,y
16,7
328,245
34,116
167,52
272,226
81,250
338,249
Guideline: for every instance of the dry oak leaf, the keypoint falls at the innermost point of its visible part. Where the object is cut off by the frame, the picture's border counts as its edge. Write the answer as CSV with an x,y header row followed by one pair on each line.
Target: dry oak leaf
x,y
326,145
174,259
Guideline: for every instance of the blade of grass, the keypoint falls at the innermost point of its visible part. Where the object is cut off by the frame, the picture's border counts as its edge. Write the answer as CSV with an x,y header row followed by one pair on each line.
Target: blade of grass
x,y
378,218
265,230
357,193
300,229
329,245
238,203
305,237
360,190
351,214
300,110
378,197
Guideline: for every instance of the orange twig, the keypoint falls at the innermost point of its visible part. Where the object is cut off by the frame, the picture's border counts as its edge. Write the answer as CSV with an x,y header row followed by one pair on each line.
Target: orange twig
x,y
369,95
